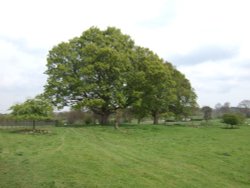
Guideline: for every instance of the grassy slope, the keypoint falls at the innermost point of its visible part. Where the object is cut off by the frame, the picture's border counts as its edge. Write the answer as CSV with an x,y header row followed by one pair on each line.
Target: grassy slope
x,y
135,156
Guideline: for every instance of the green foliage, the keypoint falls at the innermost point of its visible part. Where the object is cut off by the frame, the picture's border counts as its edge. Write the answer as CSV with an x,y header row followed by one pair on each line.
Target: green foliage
x,y
136,156
4,117
233,119
92,71
103,71
163,88
185,103
32,109
154,83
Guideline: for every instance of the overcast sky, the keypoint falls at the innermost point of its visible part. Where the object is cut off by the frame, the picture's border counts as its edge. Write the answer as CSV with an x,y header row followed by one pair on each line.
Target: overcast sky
x,y
207,40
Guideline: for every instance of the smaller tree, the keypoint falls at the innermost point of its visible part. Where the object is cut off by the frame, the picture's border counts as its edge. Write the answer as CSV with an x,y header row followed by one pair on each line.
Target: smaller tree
x,y
233,119
207,112
32,109
217,110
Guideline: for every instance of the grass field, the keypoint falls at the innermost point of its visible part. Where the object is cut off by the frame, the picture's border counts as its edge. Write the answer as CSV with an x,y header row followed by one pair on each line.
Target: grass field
x,y
134,156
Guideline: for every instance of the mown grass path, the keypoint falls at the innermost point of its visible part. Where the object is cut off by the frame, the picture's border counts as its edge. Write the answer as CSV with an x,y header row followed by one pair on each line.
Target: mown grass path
x,y
135,156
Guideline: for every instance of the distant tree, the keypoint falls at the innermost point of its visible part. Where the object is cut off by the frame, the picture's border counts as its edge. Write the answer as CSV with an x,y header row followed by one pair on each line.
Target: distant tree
x,y
225,108
244,104
218,106
217,110
32,109
245,107
207,111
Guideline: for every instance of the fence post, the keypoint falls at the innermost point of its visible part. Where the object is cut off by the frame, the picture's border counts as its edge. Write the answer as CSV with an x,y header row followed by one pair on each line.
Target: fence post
x,y
34,124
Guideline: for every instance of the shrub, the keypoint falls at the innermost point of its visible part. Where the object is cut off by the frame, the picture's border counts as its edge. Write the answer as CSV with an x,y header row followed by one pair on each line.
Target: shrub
x,y
233,119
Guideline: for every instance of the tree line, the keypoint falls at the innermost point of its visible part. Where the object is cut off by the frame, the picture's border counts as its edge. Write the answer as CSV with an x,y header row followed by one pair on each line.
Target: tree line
x,y
229,115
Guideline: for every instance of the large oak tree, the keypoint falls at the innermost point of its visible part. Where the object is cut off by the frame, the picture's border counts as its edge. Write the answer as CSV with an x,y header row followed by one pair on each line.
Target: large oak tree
x,y
92,71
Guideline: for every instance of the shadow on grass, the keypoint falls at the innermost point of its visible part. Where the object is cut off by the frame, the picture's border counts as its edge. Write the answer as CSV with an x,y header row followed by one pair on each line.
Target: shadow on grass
x,y
94,125
31,131
229,127
82,126
226,154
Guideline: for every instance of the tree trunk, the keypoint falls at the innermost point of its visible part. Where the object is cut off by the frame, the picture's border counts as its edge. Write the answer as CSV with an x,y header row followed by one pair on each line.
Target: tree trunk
x,y
155,118
104,118
139,121
116,124
118,116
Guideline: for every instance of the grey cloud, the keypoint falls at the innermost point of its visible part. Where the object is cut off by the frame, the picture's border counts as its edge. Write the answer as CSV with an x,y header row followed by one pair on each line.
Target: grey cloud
x,y
207,53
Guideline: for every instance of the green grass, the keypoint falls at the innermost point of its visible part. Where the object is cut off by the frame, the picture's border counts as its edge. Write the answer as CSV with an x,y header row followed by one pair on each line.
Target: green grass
x,y
134,156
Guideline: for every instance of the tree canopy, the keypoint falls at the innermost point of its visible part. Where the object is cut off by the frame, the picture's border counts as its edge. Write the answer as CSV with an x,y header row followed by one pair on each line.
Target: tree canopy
x,y
185,97
32,109
104,71
155,83
92,71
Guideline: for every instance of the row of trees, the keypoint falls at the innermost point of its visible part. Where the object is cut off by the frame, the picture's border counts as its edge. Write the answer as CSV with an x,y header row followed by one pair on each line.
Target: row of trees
x,y
230,115
243,108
